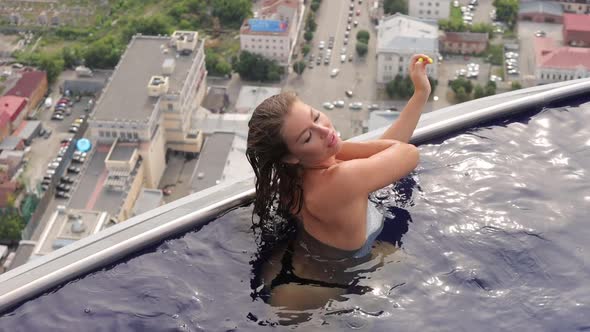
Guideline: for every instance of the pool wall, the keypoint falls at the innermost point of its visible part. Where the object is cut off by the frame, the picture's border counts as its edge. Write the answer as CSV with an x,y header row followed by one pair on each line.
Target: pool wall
x,y
103,248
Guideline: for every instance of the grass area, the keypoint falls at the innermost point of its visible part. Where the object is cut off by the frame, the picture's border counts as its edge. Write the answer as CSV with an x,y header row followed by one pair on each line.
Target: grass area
x,y
456,15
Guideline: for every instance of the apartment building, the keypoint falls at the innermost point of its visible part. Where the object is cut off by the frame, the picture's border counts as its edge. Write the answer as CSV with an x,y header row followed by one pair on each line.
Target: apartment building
x,y
576,30
272,32
560,63
149,99
398,38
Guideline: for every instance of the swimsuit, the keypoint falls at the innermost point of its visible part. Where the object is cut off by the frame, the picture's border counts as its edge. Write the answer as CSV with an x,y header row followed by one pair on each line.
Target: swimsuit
x,y
322,250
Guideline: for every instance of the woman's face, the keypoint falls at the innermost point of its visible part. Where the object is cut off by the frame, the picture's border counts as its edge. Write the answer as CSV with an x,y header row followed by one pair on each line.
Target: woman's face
x,y
309,135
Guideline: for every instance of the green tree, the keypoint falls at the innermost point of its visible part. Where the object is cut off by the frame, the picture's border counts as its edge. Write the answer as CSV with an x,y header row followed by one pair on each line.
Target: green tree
x,y
299,67
232,12
11,226
395,6
103,53
461,95
315,6
478,92
507,11
363,36
490,88
515,85
495,54
308,36
152,25
255,67
390,88
52,64
361,48
306,49
72,56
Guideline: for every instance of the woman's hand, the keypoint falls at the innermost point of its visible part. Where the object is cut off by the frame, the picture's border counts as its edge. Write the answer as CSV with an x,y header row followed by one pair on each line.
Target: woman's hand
x,y
418,74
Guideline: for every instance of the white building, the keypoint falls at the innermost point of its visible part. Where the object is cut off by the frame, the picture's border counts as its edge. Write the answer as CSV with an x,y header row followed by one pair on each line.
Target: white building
x,y
273,30
430,9
398,38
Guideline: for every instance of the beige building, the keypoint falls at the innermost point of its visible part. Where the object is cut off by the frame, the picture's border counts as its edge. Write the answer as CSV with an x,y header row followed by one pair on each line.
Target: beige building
x,y
398,38
150,97
464,42
430,9
272,32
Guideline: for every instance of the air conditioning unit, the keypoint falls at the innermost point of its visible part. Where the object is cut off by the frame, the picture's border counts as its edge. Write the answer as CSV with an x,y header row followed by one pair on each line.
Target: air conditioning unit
x,y
157,86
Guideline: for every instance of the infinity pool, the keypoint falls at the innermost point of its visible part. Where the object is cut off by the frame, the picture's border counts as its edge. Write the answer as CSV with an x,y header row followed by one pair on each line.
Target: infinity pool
x,y
490,233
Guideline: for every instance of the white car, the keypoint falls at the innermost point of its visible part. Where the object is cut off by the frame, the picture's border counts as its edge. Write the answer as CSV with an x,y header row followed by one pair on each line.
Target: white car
x,y
328,105
334,72
339,103
355,106
343,58
322,45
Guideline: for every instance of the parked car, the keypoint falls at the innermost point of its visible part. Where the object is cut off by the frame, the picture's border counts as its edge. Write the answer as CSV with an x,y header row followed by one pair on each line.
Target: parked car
x,y
67,179
356,105
62,194
79,160
339,103
328,105
46,181
44,187
373,107
73,169
57,116
343,58
47,133
53,165
66,140
64,187
334,72
348,93
50,172
73,129
80,153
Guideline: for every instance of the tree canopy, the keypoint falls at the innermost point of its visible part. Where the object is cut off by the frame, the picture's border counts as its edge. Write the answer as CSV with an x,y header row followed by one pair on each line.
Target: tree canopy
x,y
255,67
395,6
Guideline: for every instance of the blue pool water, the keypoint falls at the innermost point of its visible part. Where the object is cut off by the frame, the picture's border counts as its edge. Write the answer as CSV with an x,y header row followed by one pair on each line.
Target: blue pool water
x,y
490,233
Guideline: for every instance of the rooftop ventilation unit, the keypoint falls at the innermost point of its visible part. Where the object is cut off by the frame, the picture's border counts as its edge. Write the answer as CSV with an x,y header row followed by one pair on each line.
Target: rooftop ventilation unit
x,y
185,41
157,86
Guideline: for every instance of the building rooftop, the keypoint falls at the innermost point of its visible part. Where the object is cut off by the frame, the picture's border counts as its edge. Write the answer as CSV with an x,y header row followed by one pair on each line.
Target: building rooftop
x,y
212,161
576,22
126,95
91,193
67,226
147,200
543,7
27,84
10,143
216,99
274,18
251,96
209,122
27,129
12,105
549,55
400,32
123,151
466,37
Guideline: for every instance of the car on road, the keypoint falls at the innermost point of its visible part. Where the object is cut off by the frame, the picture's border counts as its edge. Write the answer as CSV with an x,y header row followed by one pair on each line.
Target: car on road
x,y
318,61
345,42
343,58
355,23
540,33
57,116
74,169
334,72
64,187
44,187
321,45
328,105
355,106
343,50
339,103
62,194
67,179
373,107
348,93
73,129
358,12
350,58
348,27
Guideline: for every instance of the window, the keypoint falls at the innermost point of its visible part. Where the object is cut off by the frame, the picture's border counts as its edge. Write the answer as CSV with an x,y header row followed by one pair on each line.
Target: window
x,y
135,135
436,12
437,4
100,133
429,4
401,59
428,12
170,107
420,12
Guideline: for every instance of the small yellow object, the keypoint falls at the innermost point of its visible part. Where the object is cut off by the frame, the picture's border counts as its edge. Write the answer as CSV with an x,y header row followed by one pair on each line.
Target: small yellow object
x,y
420,60
430,60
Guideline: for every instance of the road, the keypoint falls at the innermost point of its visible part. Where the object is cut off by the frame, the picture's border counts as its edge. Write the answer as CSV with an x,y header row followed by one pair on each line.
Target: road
x,y
315,86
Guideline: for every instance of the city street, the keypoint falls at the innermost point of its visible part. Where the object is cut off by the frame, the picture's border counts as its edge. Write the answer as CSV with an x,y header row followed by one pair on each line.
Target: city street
x,y
315,86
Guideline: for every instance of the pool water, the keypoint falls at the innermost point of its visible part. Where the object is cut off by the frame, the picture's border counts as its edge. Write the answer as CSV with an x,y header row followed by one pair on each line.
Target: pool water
x,y
491,233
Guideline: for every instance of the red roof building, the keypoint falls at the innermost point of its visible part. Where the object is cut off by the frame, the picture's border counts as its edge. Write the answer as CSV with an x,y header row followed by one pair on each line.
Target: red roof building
x,y
555,63
576,30
32,85
4,125
14,107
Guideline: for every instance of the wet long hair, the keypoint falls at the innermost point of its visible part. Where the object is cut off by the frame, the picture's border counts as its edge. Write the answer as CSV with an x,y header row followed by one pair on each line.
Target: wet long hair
x,y
279,191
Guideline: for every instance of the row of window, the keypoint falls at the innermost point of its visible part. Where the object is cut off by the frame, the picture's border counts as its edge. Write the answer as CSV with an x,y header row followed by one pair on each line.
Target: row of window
x,y
390,58
558,76
260,40
429,4
421,12
275,54
120,134
260,46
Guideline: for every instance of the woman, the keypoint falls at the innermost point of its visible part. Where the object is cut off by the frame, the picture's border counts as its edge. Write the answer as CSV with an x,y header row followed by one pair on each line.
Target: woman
x,y
304,170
